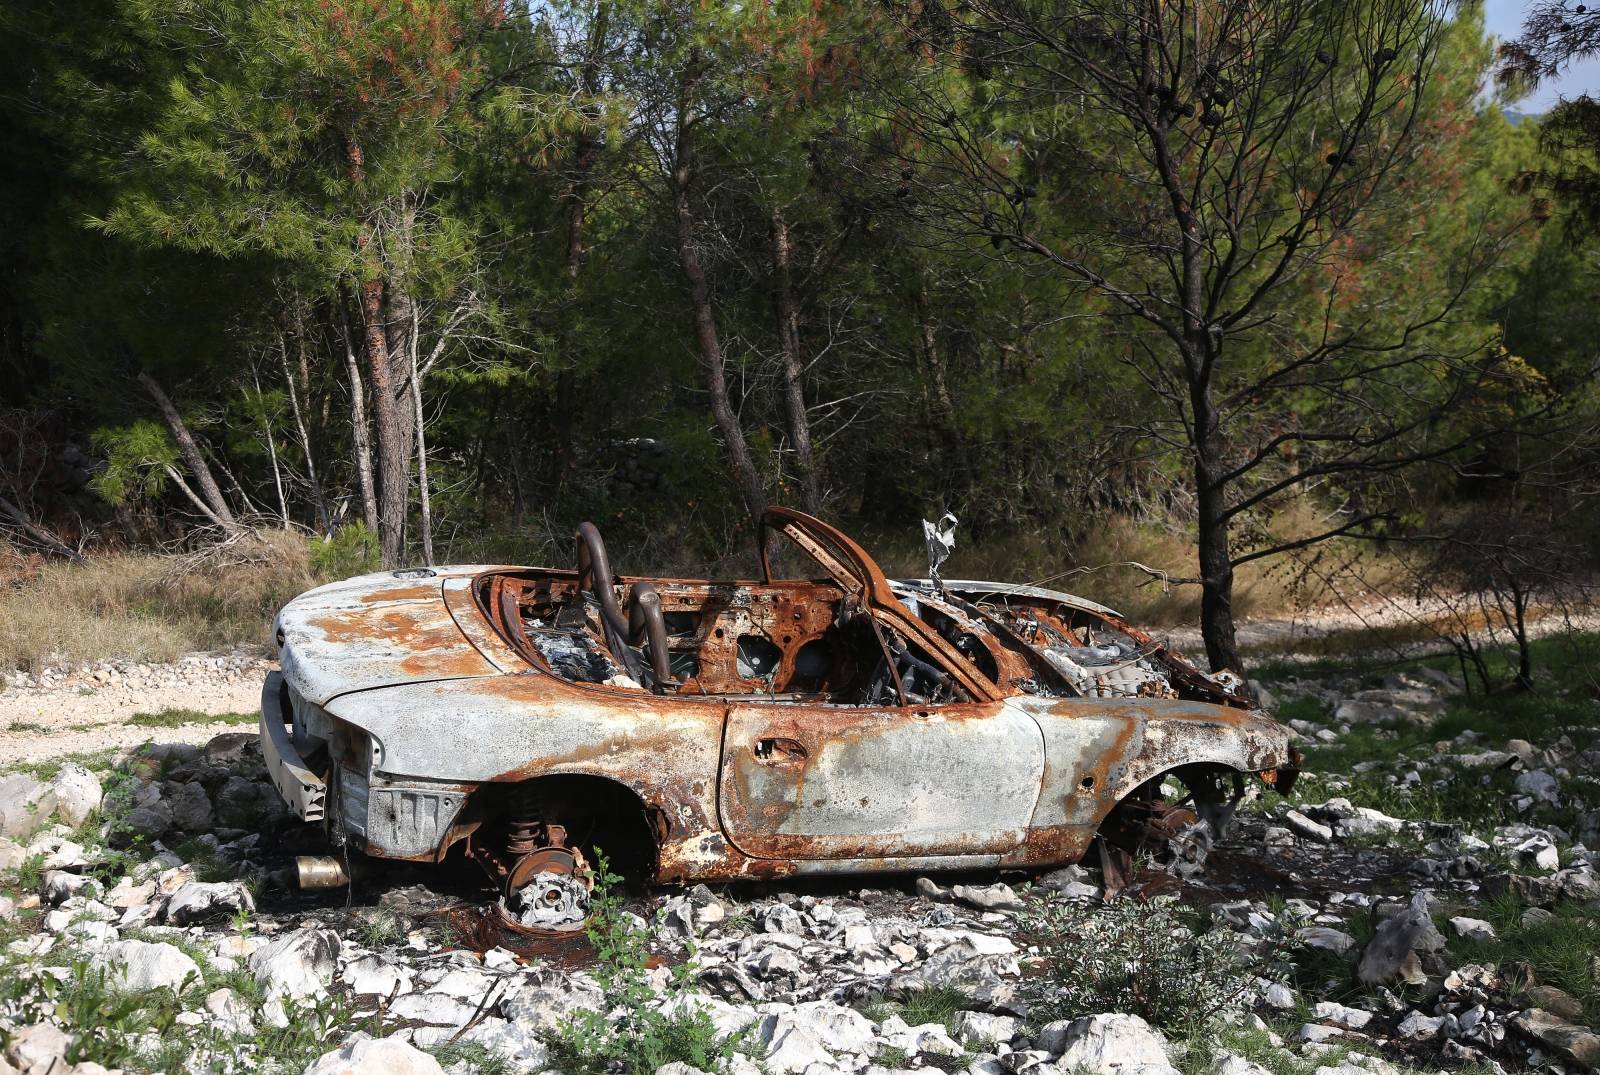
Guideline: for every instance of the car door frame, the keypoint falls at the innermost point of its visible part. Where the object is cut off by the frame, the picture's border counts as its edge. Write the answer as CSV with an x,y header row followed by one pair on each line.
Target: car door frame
x,y
854,570
841,782
864,761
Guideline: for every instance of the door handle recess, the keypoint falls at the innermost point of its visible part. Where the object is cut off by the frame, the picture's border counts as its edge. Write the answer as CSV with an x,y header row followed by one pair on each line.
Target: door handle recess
x,y
779,751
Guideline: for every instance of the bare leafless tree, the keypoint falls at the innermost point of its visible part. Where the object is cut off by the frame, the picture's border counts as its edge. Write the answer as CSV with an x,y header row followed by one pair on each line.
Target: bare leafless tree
x,y
1209,169
1555,33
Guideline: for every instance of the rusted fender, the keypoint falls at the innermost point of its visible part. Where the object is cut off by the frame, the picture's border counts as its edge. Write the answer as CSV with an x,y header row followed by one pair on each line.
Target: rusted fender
x,y
508,729
1099,750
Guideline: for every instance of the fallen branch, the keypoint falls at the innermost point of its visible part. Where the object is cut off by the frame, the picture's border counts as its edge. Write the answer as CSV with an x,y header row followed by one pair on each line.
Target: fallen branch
x,y
246,547
36,533
1166,578
479,1015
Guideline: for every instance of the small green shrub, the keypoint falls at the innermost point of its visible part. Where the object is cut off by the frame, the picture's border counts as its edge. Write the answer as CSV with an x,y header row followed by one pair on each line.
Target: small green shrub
x,y
109,1022
352,550
313,1028
29,872
380,928
1153,960
646,1037
937,1005
115,807
478,1059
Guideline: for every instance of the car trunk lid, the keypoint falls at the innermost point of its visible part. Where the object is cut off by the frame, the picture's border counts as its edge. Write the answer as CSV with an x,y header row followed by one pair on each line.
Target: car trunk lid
x,y
374,631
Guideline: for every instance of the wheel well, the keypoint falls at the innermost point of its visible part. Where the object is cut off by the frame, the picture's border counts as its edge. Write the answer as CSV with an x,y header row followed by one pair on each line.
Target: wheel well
x,y
601,816
1209,782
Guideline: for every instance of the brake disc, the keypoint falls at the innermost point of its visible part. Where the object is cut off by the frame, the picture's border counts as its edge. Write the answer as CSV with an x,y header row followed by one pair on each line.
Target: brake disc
x,y
1186,850
549,890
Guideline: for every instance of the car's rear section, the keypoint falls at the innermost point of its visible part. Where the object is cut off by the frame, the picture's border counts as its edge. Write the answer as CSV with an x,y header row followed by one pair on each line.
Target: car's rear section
x,y
368,729
355,637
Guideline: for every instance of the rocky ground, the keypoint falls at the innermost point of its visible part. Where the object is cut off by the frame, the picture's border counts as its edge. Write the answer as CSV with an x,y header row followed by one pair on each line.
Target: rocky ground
x,y
116,704
1426,901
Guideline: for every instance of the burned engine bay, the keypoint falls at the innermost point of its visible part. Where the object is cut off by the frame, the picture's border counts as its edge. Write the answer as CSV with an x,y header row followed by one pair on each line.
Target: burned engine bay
x,y
811,642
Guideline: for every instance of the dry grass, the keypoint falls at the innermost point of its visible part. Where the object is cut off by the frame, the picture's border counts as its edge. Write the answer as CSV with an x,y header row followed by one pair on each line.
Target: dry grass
x,y
1099,568
145,607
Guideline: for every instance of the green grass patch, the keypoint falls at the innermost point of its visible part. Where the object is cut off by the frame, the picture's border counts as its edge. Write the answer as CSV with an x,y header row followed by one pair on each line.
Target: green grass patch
x,y
1202,1055
1566,671
1560,949
1476,799
174,718
96,761
477,1058
207,863
937,1005
893,1058
1302,708
380,928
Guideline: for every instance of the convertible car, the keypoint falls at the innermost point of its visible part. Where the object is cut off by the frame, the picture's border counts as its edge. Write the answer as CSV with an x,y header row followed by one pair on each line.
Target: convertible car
x,y
701,730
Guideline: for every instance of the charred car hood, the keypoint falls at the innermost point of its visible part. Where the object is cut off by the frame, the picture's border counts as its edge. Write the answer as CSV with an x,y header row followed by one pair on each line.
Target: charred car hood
x,y
375,631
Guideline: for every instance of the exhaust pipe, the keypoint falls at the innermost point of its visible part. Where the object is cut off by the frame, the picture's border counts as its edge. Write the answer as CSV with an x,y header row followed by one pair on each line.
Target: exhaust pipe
x,y
321,871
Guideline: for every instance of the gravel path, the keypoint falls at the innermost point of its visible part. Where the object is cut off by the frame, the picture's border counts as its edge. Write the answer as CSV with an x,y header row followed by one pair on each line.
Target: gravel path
x,y
55,714
1305,635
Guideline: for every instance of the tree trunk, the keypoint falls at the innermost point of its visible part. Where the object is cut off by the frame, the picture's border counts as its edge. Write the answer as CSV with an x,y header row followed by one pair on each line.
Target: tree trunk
x,y
319,499
748,478
216,505
940,402
586,149
1199,353
423,499
393,449
401,324
272,454
37,532
194,498
794,396
1215,552
393,481
360,436
1520,598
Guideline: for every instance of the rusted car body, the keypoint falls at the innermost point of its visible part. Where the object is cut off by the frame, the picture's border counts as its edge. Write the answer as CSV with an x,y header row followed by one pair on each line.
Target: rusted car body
x,y
717,730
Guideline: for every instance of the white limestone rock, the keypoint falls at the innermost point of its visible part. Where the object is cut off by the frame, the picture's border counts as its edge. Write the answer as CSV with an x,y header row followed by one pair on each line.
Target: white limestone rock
x,y
141,965
78,793
983,1029
1114,1044
297,964
375,976
202,901
361,1055
1472,929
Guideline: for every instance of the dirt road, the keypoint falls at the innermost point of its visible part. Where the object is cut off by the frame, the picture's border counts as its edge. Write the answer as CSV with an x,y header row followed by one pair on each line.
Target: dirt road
x,y
123,704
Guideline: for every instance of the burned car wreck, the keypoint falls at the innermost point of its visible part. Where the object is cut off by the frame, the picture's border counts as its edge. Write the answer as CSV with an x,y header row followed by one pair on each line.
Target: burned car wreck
x,y
703,730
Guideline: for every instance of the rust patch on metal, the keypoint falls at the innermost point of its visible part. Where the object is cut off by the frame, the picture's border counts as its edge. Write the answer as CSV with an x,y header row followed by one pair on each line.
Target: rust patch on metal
x,y
479,929
416,591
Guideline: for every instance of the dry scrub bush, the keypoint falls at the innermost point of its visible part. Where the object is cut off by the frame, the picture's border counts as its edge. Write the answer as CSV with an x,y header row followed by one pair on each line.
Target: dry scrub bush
x,y
1099,566
1156,960
145,607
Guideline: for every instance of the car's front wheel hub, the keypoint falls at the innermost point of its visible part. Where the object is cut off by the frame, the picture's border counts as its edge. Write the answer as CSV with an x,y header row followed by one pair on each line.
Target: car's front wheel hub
x,y
549,889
